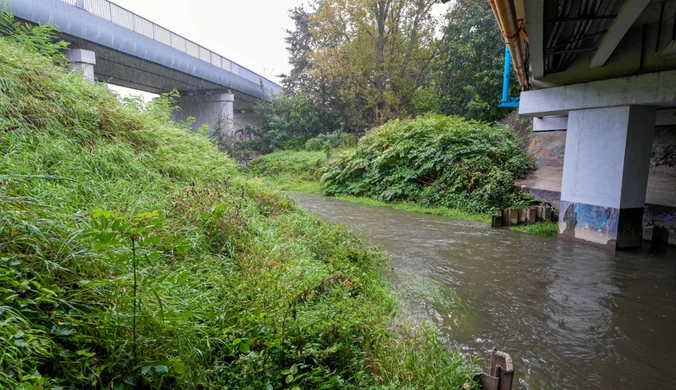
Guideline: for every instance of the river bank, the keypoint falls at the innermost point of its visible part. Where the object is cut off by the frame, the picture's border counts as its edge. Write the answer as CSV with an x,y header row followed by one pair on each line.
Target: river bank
x,y
136,255
572,316
301,171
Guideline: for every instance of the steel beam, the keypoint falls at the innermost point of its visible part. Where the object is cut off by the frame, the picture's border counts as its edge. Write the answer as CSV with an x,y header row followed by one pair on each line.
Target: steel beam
x,y
623,22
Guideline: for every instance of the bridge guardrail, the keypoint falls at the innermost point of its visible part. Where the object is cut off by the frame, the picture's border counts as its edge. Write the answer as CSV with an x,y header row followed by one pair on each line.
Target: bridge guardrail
x,y
121,16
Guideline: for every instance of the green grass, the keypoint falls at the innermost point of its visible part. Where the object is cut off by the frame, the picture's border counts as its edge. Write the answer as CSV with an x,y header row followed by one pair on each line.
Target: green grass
x,y
416,208
133,254
298,171
549,229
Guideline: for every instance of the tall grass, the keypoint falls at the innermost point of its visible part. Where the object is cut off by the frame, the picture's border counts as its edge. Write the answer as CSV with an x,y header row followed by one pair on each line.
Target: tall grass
x,y
290,170
134,255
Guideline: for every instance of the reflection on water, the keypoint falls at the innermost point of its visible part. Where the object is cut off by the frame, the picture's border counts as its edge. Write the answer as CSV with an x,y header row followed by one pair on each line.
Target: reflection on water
x,y
572,316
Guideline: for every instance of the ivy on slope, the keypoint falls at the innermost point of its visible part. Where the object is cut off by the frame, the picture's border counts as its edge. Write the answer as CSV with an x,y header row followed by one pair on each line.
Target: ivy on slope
x,y
434,160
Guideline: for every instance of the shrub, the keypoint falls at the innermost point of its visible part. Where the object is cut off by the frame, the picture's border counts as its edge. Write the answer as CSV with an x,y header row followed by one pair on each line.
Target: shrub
x,y
434,160
313,145
288,122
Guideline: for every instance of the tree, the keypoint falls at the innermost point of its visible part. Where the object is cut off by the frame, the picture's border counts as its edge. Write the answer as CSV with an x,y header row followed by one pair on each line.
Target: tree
x,y
468,72
288,122
363,59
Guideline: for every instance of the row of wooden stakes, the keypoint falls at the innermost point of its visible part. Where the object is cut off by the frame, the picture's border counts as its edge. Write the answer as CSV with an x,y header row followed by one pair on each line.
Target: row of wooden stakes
x,y
528,216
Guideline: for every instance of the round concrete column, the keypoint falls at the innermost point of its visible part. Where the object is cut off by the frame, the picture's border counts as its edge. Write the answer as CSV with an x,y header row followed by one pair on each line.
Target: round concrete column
x,y
228,112
82,61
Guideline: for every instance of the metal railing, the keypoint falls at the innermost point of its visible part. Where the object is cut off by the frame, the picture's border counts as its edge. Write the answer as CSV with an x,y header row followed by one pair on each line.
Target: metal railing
x,y
122,17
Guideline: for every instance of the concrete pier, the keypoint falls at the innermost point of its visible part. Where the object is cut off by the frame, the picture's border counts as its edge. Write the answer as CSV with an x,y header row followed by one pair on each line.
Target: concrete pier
x,y
82,61
605,175
209,109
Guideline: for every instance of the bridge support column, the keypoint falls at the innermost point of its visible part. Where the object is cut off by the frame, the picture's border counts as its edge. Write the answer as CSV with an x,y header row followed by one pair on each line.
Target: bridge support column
x,y
216,111
82,61
605,175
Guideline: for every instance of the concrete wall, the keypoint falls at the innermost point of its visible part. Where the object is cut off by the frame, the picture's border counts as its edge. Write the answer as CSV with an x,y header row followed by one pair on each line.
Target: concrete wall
x,y
206,109
663,159
548,148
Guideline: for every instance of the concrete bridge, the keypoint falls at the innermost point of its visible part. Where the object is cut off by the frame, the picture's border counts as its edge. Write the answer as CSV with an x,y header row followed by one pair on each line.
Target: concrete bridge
x,y
603,71
114,45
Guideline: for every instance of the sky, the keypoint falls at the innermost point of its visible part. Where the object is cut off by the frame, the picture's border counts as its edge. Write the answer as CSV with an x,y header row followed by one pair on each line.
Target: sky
x,y
250,33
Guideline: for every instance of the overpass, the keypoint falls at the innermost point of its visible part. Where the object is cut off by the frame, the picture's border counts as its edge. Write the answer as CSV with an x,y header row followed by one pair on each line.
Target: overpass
x,y
114,45
604,71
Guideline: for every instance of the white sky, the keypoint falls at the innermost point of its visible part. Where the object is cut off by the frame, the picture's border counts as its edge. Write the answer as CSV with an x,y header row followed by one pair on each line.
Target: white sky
x,y
250,33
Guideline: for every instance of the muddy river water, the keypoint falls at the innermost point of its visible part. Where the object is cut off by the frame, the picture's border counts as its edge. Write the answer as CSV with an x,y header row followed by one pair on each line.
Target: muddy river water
x,y
572,316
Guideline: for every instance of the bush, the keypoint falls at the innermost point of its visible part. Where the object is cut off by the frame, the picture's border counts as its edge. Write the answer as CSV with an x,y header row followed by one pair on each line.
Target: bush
x,y
134,255
288,122
434,160
313,145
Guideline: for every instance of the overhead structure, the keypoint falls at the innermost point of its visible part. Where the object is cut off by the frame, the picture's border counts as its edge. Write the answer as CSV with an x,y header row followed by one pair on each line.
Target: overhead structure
x,y
606,71
115,45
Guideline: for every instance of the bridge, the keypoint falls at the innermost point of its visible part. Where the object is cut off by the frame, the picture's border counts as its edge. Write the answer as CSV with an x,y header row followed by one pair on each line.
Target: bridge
x,y
112,44
601,73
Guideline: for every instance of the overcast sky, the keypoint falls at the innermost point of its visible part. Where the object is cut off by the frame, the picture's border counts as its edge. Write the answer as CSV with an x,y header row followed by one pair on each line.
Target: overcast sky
x,y
249,32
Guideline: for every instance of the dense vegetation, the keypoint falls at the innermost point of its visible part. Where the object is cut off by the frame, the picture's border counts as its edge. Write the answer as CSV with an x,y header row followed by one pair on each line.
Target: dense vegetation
x,y
357,64
370,61
435,161
466,77
134,255
289,122
290,170
549,229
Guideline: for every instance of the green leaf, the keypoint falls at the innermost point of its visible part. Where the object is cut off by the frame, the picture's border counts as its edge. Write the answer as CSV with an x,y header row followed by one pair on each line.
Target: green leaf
x,y
130,380
178,367
161,369
244,347
289,378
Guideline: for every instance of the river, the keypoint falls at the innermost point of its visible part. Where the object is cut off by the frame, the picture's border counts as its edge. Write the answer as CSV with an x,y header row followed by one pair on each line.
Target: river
x,y
571,316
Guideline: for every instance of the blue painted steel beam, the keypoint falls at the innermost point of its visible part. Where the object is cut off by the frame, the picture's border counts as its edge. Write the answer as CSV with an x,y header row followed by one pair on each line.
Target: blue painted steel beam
x,y
506,100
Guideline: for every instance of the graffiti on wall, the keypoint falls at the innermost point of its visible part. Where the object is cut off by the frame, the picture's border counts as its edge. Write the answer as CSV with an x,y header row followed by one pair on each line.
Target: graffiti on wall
x,y
670,218
243,135
660,215
548,148
665,157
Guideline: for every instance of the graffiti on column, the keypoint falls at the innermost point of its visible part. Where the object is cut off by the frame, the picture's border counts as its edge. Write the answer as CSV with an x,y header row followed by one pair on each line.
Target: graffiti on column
x,y
670,218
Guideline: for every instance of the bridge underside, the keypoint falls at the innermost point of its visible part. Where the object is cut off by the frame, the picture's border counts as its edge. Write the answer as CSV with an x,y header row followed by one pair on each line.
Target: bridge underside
x,y
199,99
115,46
604,71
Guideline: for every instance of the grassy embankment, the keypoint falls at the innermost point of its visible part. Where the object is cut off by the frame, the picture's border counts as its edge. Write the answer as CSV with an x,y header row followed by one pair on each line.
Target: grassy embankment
x,y
298,171
301,171
134,255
